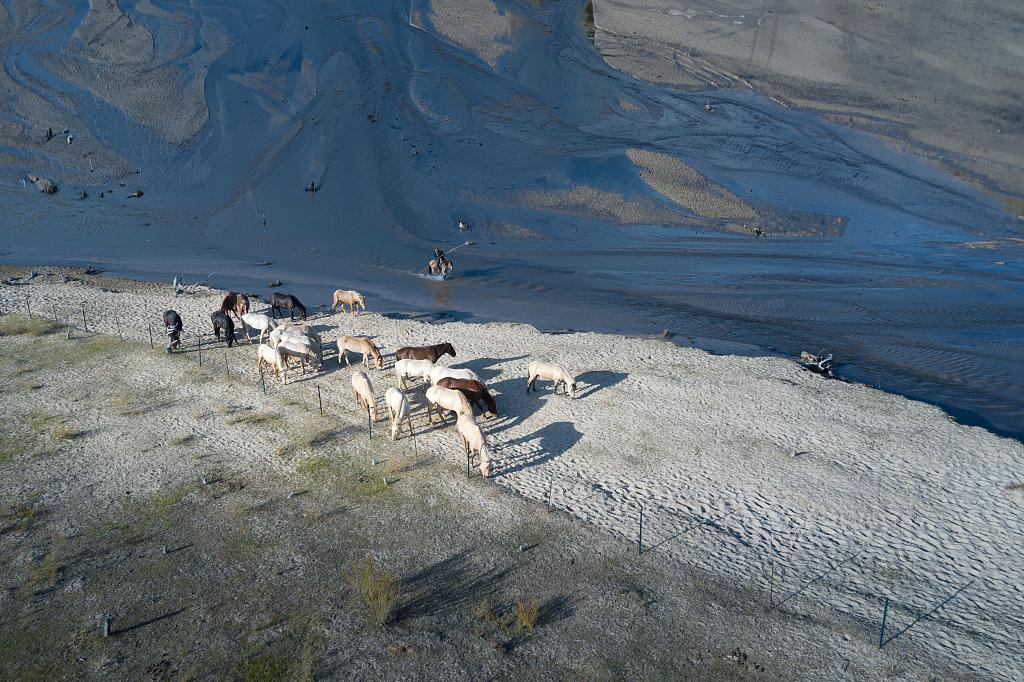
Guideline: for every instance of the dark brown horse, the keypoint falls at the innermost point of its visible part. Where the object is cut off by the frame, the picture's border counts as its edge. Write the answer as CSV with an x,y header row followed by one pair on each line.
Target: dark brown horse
x,y
236,304
431,353
476,393
173,325
279,301
223,323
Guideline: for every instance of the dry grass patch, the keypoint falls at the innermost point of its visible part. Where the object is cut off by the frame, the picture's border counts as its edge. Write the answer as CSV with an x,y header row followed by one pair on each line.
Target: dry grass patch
x,y
377,591
40,419
527,613
137,403
179,441
257,419
67,433
1015,487
17,324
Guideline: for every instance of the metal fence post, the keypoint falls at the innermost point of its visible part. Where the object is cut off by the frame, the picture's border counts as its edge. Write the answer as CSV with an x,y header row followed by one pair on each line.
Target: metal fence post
x,y
200,350
640,539
85,322
28,304
151,335
881,632
320,400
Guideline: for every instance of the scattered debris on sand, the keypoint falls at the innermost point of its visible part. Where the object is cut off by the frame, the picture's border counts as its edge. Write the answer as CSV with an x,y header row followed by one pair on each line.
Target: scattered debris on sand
x,y
820,363
45,186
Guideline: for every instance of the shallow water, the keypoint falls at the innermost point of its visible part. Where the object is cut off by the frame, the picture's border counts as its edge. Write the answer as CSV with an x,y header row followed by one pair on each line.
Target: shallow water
x,y
407,134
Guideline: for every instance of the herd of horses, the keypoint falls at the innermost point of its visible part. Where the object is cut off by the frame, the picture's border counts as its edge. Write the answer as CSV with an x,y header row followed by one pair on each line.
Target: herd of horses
x,y
458,391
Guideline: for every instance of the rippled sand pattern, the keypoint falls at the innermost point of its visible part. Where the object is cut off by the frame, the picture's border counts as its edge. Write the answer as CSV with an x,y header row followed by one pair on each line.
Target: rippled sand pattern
x,y
739,464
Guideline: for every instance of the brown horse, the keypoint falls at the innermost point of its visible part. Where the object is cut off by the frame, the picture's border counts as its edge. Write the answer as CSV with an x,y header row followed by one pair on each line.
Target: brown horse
x,y
431,353
440,266
476,393
235,304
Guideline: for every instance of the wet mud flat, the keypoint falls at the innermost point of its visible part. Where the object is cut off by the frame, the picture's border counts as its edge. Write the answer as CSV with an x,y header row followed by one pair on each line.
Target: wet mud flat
x,y
595,200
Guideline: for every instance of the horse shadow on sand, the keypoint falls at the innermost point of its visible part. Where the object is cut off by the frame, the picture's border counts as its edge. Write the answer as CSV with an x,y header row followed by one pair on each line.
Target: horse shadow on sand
x,y
536,448
450,584
484,366
590,383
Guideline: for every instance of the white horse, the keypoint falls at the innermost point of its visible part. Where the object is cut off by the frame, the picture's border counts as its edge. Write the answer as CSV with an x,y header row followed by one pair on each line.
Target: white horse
x,y
273,357
443,399
257,321
473,440
440,372
412,369
553,372
398,410
363,390
304,353
297,341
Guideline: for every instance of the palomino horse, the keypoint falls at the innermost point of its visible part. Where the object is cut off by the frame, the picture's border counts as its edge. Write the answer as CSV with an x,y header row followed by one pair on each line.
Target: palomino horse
x,y
350,297
359,344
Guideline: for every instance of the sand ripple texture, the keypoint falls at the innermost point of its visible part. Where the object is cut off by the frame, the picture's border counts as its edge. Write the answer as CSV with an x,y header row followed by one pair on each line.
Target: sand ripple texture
x,y
746,467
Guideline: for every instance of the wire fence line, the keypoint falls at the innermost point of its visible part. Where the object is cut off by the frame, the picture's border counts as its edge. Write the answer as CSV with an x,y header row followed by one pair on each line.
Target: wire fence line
x,y
811,578
661,527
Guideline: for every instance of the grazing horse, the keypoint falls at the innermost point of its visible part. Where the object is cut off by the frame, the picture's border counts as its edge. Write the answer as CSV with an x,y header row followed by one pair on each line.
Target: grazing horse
x,y
235,304
475,391
442,399
279,301
274,358
173,325
222,322
398,410
363,391
412,369
257,321
473,440
431,353
359,344
351,297
440,372
552,371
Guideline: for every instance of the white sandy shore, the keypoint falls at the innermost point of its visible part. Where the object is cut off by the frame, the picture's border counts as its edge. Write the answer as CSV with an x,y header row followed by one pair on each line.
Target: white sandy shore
x,y
739,463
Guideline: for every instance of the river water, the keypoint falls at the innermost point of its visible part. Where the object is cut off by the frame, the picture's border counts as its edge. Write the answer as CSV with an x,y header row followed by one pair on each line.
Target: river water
x,y
407,133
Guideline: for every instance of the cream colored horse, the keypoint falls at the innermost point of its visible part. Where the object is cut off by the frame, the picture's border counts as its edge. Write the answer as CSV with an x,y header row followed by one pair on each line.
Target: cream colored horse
x,y
350,297
359,344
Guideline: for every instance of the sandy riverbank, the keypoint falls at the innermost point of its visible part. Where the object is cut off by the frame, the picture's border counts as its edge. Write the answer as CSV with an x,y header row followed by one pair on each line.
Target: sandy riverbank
x,y
739,464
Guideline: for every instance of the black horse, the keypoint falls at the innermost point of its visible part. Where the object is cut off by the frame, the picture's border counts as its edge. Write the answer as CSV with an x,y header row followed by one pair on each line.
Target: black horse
x,y
221,322
279,301
173,325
